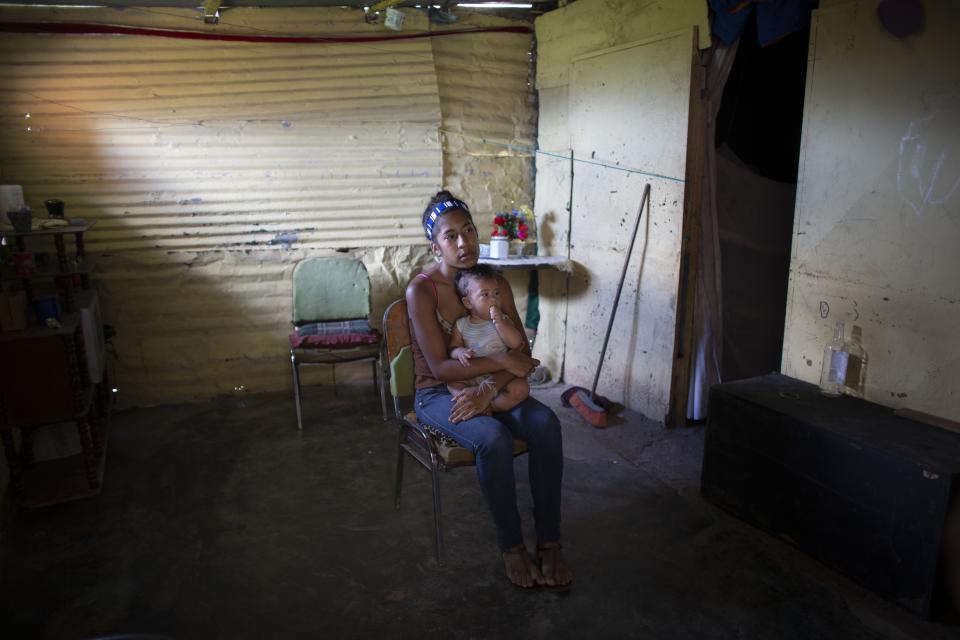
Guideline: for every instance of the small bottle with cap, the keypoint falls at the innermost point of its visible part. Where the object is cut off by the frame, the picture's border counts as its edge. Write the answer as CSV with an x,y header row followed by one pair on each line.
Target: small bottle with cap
x,y
844,368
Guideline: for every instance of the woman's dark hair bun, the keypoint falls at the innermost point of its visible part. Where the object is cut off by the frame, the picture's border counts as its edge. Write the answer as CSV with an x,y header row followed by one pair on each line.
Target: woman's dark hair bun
x,y
441,196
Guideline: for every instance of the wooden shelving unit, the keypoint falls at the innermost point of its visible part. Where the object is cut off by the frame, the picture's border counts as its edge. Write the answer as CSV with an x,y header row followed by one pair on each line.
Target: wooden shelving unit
x,y
45,379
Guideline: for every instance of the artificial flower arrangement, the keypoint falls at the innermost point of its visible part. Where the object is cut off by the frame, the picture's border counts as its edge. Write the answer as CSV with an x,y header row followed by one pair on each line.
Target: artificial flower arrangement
x,y
513,225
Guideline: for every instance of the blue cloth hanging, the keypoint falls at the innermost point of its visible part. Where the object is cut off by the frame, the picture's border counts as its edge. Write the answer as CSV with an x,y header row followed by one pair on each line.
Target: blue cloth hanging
x,y
775,19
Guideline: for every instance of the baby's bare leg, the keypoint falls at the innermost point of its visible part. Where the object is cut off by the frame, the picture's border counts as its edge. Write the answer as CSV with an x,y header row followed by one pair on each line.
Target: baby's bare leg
x,y
512,394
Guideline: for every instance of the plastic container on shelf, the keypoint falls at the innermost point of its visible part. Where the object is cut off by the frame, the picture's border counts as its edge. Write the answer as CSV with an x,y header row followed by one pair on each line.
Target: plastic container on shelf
x,y
54,207
499,247
21,219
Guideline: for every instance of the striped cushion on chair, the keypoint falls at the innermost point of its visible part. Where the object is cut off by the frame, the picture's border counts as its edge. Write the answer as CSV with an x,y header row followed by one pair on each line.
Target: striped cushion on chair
x,y
298,341
452,452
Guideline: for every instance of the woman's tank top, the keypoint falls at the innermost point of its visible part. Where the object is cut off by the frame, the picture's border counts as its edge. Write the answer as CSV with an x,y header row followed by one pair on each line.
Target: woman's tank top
x,y
423,374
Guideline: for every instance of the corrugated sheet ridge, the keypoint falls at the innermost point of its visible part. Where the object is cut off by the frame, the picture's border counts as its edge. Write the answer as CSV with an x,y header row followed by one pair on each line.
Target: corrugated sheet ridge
x,y
255,139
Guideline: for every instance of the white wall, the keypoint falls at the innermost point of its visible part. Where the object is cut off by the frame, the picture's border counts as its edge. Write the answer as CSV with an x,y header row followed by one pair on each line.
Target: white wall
x,y
877,225
630,106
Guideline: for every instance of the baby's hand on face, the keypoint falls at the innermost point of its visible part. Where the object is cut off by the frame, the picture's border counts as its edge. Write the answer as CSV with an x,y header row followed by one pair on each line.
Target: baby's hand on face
x,y
495,313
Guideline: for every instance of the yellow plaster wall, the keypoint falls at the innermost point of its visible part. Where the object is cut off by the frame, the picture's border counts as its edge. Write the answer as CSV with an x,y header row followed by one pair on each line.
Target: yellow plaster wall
x,y
877,221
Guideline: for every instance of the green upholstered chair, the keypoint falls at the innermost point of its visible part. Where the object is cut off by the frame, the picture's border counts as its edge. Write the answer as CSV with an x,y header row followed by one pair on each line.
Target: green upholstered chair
x,y
434,450
331,317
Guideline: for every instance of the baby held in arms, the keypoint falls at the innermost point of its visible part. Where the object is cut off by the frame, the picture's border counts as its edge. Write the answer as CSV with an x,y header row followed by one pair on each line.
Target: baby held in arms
x,y
485,331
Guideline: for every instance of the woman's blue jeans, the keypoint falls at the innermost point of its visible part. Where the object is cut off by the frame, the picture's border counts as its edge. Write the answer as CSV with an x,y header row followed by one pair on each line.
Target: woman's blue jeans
x,y
490,439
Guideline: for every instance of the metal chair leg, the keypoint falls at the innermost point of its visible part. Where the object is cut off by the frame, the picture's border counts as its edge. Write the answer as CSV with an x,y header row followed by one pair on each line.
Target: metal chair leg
x,y
435,481
296,391
398,481
381,386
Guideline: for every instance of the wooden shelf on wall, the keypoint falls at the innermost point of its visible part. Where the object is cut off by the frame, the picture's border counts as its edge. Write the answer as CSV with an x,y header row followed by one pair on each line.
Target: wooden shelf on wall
x,y
529,263
51,379
68,324
53,231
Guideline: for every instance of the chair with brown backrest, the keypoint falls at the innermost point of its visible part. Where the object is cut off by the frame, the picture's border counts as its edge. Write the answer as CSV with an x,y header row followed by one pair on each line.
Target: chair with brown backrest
x,y
434,450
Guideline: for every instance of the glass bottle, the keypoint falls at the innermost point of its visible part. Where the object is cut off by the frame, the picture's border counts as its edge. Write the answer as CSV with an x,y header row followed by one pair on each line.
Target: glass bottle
x,y
833,370
856,374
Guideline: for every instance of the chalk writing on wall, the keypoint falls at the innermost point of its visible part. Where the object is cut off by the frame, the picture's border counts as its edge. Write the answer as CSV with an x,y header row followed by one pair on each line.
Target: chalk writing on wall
x,y
928,170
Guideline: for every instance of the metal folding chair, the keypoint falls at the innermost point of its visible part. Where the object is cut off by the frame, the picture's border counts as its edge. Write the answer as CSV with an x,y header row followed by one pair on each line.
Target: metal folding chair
x,y
434,450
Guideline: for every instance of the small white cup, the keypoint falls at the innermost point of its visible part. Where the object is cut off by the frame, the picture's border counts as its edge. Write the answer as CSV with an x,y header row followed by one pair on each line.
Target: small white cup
x,y
499,248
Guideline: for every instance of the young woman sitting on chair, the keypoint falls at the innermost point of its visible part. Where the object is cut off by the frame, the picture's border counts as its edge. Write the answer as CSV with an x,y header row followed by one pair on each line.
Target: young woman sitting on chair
x,y
434,305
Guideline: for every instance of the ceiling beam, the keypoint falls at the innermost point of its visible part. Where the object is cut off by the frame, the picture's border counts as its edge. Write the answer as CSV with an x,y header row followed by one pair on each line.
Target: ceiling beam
x,y
226,4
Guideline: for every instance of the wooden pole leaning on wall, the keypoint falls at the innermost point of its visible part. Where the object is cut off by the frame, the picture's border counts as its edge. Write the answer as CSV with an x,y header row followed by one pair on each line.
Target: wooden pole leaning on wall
x,y
684,340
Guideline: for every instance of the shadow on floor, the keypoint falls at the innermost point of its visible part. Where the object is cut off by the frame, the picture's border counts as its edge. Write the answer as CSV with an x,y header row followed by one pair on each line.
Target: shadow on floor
x,y
219,520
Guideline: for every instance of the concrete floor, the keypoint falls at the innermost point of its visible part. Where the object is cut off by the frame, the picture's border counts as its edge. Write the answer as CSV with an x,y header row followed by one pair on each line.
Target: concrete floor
x,y
219,520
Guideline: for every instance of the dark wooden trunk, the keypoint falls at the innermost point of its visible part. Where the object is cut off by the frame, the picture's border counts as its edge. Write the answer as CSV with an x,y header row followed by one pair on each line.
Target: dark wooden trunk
x,y
845,480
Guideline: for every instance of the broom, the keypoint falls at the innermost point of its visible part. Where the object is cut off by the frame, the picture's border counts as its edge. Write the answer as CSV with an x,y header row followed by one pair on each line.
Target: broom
x,y
592,407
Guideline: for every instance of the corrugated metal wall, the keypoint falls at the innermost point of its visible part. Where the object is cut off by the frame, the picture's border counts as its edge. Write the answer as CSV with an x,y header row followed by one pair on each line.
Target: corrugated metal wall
x,y
489,115
211,168
486,93
182,144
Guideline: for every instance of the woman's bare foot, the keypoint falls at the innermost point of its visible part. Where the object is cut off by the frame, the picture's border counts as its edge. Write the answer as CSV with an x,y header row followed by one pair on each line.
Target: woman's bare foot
x,y
556,572
521,571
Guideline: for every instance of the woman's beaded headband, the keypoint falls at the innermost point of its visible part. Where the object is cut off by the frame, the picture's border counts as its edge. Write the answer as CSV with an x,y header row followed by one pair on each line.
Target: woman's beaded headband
x,y
438,210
